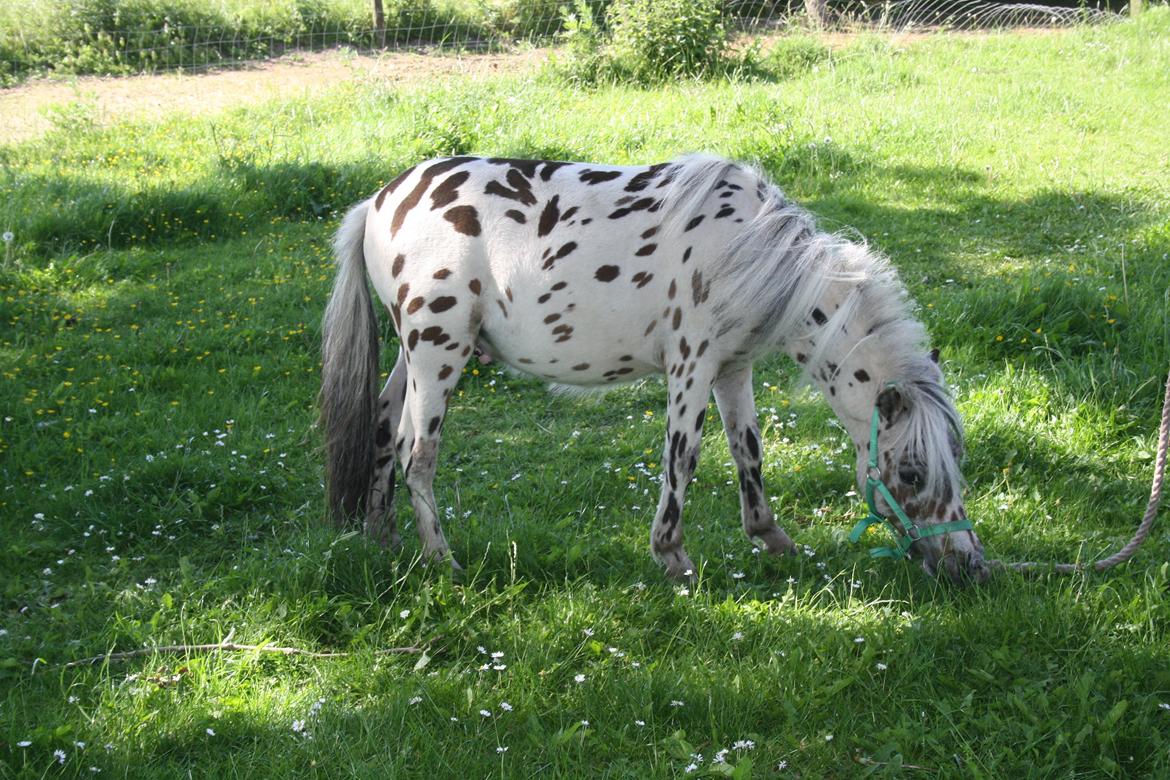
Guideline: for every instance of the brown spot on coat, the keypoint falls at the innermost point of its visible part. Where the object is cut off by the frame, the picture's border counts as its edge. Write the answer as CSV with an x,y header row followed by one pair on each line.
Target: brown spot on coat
x,y
475,286
464,218
516,215
442,303
442,273
448,191
415,304
589,176
549,217
607,273
389,188
415,195
646,250
396,268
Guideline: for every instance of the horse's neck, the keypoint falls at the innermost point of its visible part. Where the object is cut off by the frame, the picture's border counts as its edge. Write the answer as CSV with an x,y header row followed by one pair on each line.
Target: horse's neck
x,y
849,363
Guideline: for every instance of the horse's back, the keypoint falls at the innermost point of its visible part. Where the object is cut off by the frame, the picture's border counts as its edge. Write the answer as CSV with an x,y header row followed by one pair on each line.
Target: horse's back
x,y
568,270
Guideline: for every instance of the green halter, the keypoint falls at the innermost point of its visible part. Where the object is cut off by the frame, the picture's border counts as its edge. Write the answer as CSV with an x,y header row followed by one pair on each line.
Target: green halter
x,y
909,532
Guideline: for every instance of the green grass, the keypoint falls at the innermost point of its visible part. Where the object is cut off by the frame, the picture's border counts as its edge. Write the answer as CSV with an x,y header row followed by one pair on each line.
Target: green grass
x,y
160,304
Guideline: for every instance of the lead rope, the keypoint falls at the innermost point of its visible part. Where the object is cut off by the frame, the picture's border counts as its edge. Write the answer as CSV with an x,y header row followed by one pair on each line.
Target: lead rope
x,y
1126,552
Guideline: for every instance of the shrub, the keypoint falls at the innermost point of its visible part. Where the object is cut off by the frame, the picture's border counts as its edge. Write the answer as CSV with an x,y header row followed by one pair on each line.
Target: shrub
x,y
654,40
646,41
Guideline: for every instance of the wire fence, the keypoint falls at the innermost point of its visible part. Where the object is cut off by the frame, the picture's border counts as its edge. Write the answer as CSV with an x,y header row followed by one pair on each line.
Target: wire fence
x,y
169,41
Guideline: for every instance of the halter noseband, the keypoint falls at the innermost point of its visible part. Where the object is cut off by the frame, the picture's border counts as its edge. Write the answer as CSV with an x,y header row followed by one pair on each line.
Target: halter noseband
x,y
910,532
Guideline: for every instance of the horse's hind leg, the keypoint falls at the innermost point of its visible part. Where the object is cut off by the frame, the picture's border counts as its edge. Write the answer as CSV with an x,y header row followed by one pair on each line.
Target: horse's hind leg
x,y
737,407
435,356
380,523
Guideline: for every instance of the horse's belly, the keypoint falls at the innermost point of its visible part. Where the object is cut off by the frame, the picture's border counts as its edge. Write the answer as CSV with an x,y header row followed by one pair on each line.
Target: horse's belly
x,y
580,342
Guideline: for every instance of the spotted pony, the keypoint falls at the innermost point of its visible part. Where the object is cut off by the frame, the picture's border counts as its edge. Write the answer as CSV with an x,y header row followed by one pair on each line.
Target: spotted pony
x,y
594,275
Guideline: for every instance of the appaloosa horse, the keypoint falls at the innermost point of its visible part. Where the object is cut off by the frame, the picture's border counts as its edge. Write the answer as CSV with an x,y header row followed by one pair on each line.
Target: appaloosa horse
x,y
593,275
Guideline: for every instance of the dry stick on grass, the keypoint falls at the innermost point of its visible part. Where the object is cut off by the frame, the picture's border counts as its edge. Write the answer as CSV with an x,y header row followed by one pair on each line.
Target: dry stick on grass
x,y
232,647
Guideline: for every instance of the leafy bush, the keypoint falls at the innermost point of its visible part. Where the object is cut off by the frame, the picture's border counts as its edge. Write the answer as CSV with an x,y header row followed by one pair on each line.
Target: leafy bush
x,y
646,41
654,40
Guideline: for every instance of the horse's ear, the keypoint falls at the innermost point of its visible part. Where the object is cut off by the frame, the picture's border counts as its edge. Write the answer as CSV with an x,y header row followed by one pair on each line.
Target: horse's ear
x,y
934,355
891,405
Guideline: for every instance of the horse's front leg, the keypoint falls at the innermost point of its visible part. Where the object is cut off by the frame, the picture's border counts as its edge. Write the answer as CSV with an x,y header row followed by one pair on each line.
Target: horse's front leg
x,y
737,407
689,386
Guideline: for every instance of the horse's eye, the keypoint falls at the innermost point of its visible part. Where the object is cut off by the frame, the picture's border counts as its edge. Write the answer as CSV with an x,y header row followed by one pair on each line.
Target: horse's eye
x,y
908,475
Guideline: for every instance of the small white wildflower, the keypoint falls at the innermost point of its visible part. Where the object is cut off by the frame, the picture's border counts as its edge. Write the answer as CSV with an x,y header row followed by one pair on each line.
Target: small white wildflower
x,y
738,635
579,678
79,745
880,666
485,713
828,738
24,743
781,766
59,755
298,726
8,236
588,632
743,744
211,732
497,654
639,722
1164,706
404,614
675,703
739,575
691,767
858,640
501,749
414,700
505,706
585,723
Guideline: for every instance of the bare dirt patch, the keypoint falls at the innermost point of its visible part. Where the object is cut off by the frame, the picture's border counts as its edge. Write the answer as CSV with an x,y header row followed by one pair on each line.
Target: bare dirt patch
x,y
26,111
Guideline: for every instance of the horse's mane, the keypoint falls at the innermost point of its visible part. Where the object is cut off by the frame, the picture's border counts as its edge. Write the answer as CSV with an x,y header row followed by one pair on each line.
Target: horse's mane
x,y
776,269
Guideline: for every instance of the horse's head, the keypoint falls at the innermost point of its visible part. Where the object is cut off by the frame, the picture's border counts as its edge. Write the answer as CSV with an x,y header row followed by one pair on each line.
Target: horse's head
x,y
912,456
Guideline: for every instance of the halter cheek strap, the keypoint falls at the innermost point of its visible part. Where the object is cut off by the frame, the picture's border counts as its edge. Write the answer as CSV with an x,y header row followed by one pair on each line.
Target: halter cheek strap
x,y
909,532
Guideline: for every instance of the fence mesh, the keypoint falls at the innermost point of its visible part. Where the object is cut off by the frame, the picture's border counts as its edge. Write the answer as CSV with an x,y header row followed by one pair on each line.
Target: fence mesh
x,y
92,38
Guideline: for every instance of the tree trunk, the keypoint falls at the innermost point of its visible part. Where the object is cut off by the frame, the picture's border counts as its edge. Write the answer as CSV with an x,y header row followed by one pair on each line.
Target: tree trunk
x,y
816,13
379,24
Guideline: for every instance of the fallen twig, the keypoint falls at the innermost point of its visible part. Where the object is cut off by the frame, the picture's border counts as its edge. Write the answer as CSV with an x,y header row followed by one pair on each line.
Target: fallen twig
x,y
231,647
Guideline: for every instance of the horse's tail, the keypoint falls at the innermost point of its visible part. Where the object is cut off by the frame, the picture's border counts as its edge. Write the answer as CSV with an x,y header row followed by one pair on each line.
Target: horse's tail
x,y
349,350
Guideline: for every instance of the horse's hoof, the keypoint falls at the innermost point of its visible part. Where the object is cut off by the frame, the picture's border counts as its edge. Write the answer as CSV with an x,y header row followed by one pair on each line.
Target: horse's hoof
x,y
678,566
776,542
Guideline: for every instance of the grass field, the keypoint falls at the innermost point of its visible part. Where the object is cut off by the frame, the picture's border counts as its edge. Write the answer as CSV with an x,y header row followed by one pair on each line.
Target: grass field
x,y
161,296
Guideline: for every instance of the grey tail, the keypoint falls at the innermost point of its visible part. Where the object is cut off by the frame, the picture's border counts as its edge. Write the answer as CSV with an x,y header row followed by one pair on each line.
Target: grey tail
x,y
349,373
